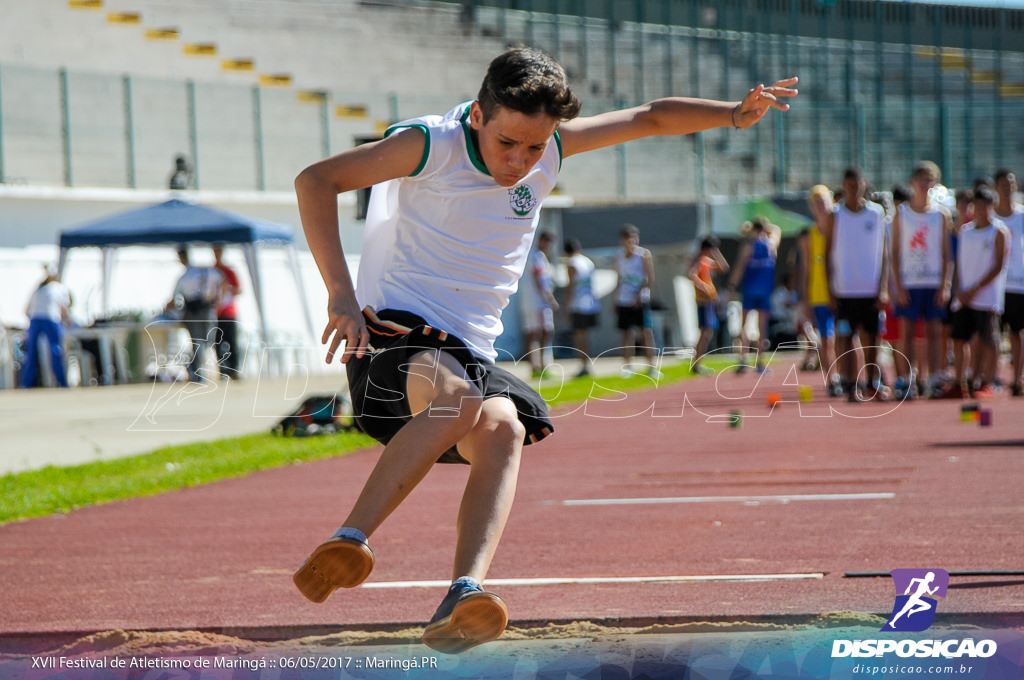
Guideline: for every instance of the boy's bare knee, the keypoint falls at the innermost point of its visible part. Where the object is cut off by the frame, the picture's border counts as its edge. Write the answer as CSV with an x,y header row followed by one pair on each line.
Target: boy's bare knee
x,y
498,433
504,428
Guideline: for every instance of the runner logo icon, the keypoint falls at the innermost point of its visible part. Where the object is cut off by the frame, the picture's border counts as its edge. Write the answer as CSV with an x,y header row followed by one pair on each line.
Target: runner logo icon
x,y
916,589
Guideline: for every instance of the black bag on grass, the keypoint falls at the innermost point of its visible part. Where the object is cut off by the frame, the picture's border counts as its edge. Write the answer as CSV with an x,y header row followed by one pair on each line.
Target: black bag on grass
x,y
318,414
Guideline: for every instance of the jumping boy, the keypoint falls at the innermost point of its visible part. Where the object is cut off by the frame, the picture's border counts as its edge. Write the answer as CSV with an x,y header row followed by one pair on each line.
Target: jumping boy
x,y
449,228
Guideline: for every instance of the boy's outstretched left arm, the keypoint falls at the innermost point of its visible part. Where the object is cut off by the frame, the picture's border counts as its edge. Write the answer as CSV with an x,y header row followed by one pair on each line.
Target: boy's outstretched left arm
x,y
672,116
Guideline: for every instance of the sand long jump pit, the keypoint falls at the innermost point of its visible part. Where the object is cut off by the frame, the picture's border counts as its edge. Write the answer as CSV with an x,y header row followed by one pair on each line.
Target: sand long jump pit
x,y
836,645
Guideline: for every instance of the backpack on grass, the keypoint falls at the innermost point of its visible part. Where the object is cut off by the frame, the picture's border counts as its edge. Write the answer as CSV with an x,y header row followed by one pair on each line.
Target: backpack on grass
x,y
317,415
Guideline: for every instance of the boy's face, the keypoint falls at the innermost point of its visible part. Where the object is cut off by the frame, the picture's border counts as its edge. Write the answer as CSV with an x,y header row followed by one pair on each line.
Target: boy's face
x,y
854,189
511,143
1006,187
922,184
966,211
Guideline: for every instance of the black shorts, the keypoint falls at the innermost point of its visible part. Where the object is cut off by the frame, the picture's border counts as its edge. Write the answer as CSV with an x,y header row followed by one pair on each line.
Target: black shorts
x,y
969,322
377,381
1013,312
634,317
858,313
582,322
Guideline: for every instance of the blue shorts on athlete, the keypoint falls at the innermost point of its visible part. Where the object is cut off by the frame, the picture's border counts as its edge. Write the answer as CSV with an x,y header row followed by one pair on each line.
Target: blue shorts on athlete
x,y
921,305
707,316
762,302
824,321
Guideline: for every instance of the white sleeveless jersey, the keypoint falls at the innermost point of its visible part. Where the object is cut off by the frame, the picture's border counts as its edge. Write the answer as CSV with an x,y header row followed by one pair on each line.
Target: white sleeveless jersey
x,y
858,245
448,243
1015,262
531,299
921,237
976,254
583,299
631,277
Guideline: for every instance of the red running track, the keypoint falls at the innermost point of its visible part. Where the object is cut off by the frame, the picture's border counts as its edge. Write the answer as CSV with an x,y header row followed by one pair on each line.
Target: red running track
x,y
783,494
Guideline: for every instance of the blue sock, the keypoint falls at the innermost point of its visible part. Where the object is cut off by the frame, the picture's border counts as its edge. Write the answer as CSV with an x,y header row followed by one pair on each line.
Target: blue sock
x,y
466,583
350,532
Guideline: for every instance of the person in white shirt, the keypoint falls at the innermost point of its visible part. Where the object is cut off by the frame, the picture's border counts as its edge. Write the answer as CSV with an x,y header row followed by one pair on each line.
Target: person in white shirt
x,y
197,294
857,267
981,285
449,228
581,304
47,312
1012,214
635,269
537,303
922,271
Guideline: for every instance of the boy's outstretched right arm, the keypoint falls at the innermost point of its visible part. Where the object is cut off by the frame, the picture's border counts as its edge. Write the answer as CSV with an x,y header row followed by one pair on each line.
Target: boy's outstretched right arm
x,y
317,188
672,116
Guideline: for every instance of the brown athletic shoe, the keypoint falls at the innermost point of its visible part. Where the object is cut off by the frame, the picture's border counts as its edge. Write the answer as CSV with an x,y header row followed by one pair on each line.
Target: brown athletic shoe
x,y
467,617
337,563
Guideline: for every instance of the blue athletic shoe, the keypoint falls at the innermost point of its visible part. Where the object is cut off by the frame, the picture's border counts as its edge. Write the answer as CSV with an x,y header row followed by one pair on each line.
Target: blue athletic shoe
x,y
468,616
900,389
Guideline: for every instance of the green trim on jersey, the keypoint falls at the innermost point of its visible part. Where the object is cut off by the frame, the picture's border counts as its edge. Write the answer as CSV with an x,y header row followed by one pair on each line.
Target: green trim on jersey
x,y
474,157
470,146
426,144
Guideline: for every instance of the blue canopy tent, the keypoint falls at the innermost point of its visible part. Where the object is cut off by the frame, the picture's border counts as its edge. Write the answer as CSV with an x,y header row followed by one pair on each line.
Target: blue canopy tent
x,y
176,222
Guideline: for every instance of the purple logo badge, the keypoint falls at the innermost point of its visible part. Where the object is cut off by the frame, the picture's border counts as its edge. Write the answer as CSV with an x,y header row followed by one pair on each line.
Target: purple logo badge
x,y
916,590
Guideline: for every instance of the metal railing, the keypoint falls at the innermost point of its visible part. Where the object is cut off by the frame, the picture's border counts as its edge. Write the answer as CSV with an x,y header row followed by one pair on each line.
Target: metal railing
x,y
881,106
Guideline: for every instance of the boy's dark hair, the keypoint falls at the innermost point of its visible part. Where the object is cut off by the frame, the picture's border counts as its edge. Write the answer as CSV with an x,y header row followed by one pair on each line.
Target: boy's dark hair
x,y
629,231
853,173
572,246
1001,174
528,81
710,241
964,195
981,182
901,193
759,224
986,194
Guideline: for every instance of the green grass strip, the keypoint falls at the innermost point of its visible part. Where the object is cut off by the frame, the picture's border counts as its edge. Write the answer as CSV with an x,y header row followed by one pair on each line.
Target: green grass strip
x,y
50,490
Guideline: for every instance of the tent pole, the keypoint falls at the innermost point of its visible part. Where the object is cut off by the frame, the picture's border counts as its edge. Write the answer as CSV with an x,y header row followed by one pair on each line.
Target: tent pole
x,y
62,263
293,262
108,273
257,287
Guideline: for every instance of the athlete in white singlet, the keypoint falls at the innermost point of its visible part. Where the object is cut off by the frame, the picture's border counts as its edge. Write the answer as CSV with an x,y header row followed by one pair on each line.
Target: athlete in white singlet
x,y
450,224
922,276
858,283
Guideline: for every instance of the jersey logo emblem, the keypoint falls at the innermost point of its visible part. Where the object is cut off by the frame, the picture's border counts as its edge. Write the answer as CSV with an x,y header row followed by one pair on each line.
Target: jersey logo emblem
x,y
523,199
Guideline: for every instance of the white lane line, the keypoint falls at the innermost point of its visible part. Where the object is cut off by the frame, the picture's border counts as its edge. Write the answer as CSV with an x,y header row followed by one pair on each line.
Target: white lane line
x,y
602,579
752,500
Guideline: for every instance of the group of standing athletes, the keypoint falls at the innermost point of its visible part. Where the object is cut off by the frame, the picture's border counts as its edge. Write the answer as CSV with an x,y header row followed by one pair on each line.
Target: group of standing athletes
x,y
634,269
942,276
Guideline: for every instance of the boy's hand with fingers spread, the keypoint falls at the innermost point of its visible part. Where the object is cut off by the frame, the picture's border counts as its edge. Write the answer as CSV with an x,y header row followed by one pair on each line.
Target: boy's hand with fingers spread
x,y
760,99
